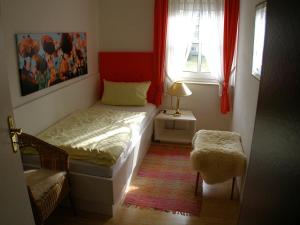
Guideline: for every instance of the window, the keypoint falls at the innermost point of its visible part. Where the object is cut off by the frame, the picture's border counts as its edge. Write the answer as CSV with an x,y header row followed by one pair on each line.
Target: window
x,y
259,37
196,61
194,40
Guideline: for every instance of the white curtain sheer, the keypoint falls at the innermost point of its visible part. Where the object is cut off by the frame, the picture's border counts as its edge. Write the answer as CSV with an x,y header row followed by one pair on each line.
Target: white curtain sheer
x,y
211,34
179,36
183,16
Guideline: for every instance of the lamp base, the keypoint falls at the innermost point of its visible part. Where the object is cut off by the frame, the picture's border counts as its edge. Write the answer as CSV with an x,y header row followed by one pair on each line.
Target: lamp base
x,y
177,113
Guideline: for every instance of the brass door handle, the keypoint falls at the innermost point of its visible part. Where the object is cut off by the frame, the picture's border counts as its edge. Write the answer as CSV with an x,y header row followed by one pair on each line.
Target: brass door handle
x,y
14,132
17,131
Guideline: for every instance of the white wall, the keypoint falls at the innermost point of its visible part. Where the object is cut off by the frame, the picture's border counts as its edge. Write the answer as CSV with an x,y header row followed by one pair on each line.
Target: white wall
x,y
128,26
38,110
246,86
246,89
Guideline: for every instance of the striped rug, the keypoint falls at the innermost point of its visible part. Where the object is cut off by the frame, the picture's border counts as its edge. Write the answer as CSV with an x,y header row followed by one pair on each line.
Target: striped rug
x,y
165,181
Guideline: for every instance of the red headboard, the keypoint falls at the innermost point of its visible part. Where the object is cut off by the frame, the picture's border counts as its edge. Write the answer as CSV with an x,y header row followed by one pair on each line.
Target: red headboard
x,y
127,67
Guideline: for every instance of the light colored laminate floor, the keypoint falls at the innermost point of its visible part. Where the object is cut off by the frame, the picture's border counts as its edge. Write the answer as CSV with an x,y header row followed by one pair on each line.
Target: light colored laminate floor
x,y
217,209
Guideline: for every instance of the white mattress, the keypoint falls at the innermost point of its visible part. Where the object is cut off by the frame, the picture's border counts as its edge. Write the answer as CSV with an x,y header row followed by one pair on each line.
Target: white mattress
x,y
77,166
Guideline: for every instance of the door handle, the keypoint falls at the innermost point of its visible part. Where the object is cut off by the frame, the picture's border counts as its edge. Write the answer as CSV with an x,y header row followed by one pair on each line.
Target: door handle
x,y
13,133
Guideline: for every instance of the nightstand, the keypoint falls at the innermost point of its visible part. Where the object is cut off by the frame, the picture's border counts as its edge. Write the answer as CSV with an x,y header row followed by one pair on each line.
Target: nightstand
x,y
179,129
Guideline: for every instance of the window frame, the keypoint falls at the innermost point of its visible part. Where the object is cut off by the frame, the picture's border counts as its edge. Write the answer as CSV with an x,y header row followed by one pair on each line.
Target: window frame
x,y
191,76
198,77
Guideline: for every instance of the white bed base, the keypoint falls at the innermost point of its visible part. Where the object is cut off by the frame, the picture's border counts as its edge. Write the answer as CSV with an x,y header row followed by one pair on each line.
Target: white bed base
x,y
103,195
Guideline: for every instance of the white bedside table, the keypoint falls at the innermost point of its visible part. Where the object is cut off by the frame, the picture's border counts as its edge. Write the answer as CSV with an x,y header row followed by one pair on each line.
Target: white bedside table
x,y
179,129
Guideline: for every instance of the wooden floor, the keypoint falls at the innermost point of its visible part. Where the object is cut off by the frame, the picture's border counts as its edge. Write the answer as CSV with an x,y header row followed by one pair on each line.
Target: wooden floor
x,y
217,209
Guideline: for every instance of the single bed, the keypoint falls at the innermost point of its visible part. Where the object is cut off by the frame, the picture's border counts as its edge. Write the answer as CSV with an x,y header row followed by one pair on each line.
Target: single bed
x,y
99,186
145,115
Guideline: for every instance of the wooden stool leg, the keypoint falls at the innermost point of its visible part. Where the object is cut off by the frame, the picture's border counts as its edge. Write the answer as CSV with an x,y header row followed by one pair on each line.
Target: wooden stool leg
x,y
197,182
232,188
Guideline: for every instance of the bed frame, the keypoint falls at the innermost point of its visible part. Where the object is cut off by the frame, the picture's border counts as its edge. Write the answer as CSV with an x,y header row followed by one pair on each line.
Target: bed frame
x,y
103,195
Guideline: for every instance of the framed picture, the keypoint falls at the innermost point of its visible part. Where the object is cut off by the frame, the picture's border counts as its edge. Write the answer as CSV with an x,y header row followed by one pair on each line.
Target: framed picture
x,y
45,59
259,37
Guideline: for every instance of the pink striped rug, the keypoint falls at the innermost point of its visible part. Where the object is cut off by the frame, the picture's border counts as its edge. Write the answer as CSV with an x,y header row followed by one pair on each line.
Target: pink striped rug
x,y
165,181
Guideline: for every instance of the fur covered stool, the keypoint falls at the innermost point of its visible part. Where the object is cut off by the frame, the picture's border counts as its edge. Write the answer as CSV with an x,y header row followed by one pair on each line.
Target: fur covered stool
x,y
217,156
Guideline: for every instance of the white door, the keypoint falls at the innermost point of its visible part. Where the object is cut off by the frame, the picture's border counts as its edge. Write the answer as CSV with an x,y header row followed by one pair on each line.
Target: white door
x,y
14,201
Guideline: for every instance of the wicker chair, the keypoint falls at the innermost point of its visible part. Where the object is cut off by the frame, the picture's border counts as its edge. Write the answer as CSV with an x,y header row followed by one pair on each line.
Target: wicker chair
x,y
48,185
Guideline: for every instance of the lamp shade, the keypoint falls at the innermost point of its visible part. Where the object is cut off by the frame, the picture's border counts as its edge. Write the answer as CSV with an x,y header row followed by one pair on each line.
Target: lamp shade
x,y
179,89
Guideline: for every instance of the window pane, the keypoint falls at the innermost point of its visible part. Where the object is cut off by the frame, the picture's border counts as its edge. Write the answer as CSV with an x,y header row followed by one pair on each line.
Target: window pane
x,y
259,34
192,60
205,51
204,64
204,67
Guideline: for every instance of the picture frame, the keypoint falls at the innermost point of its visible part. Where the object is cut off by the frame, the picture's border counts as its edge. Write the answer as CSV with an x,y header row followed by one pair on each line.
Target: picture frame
x,y
46,59
259,37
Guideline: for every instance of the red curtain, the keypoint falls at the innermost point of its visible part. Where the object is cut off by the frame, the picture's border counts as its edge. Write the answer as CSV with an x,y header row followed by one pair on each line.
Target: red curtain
x,y
231,16
159,45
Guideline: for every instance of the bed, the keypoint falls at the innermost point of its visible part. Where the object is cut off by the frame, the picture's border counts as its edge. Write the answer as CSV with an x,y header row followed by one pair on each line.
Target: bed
x,y
98,186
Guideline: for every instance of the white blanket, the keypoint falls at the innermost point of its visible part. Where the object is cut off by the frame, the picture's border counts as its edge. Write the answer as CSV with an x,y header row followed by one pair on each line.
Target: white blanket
x,y
95,135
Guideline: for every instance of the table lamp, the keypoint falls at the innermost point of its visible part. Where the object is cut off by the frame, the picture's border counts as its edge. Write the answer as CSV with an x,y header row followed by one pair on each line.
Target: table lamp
x,y
178,89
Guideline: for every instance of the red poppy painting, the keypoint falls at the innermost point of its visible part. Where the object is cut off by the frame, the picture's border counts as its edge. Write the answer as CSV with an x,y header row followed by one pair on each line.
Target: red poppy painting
x,y
45,59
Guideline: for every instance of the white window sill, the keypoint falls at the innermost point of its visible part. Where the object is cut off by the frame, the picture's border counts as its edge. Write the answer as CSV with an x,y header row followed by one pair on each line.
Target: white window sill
x,y
193,78
202,82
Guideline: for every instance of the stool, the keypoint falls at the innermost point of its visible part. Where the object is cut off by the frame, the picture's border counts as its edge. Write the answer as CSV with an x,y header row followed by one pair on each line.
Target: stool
x,y
217,156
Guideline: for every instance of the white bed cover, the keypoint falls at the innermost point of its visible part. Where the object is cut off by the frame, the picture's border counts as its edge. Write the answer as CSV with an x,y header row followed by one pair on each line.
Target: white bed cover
x,y
82,167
